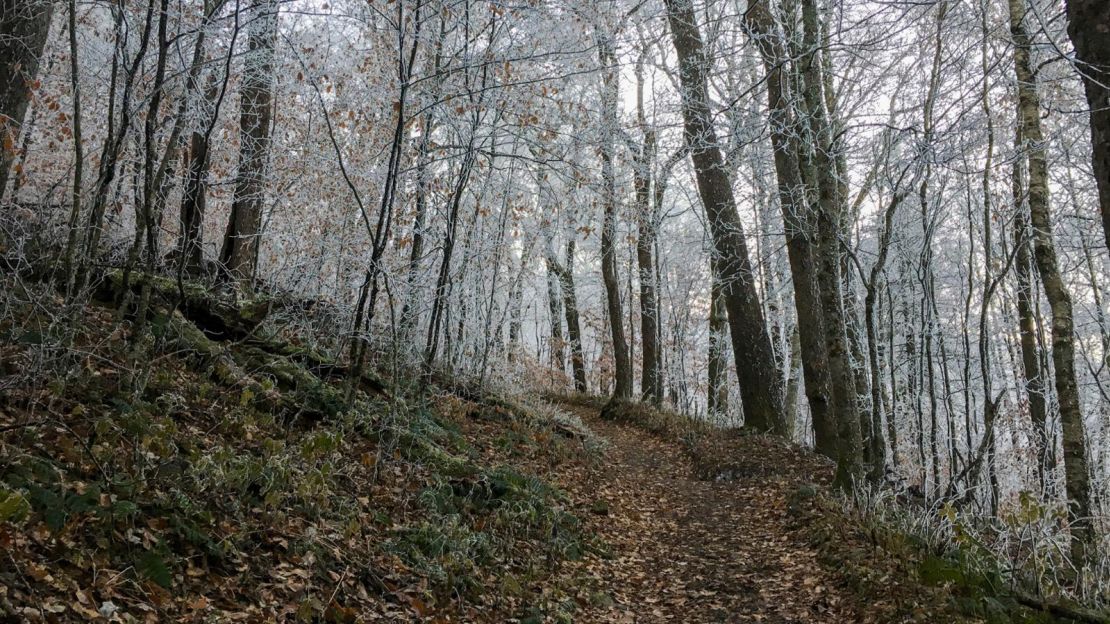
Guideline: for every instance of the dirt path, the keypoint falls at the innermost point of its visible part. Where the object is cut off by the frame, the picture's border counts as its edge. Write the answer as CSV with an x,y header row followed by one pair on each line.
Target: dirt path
x,y
689,550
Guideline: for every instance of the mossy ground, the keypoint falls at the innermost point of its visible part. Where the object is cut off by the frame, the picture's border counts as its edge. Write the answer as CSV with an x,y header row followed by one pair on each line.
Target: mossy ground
x,y
143,490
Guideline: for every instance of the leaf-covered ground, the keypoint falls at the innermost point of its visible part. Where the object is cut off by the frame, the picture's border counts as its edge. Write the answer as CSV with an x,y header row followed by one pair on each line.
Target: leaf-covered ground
x,y
162,493
734,542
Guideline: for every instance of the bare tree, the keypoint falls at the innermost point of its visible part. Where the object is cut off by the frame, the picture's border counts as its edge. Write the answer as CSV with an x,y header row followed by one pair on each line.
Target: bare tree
x,y
1077,477
1087,25
761,390
239,255
799,222
651,384
622,362
24,28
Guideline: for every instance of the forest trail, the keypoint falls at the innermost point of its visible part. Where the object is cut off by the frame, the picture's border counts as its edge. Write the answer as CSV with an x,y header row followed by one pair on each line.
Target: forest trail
x,y
692,550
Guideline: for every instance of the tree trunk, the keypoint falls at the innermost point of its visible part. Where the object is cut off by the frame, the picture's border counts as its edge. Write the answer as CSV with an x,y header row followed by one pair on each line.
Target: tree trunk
x,y
24,28
194,197
717,392
113,141
800,234
870,316
795,381
555,311
1027,325
574,327
1089,27
240,248
760,388
423,178
651,384
1076,476
78,156
892,406
830,207
622,388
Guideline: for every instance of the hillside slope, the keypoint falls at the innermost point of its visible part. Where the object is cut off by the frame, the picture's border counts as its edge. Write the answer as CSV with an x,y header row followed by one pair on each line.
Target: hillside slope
x,y
184,474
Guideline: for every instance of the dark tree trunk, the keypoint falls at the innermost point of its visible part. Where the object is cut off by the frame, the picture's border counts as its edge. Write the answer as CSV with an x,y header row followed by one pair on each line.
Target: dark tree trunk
x,y
717,391
439,297
1089,27
24,27
555,311
761,389
574,327
651,384
800,232
830,207
194,193
78,154
113,142
239,255
651,381
194,197
423,162
1027,325
622,362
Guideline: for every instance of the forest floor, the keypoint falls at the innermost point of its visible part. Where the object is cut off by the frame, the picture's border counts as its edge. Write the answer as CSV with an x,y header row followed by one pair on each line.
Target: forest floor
x,y
734,544
179,492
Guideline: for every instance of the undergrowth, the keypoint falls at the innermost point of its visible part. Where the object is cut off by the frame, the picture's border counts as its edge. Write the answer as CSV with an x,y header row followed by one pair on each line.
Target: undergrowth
x,y
148,489
1013,567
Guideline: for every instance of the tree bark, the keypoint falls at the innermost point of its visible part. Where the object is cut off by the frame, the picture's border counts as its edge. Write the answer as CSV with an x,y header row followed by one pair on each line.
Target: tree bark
x,y
239,255
761,390
829,217
78,156
622,363
555,311
1027,324
795,381
651,381
717,391
651,384
194,197
565,274
1076,476
799,229
1089,27
24,28
194,193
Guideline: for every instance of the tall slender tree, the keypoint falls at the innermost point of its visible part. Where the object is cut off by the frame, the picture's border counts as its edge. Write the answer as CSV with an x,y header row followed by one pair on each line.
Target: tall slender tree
x,y
610,95
1076,475
761,390
239,255
651,384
